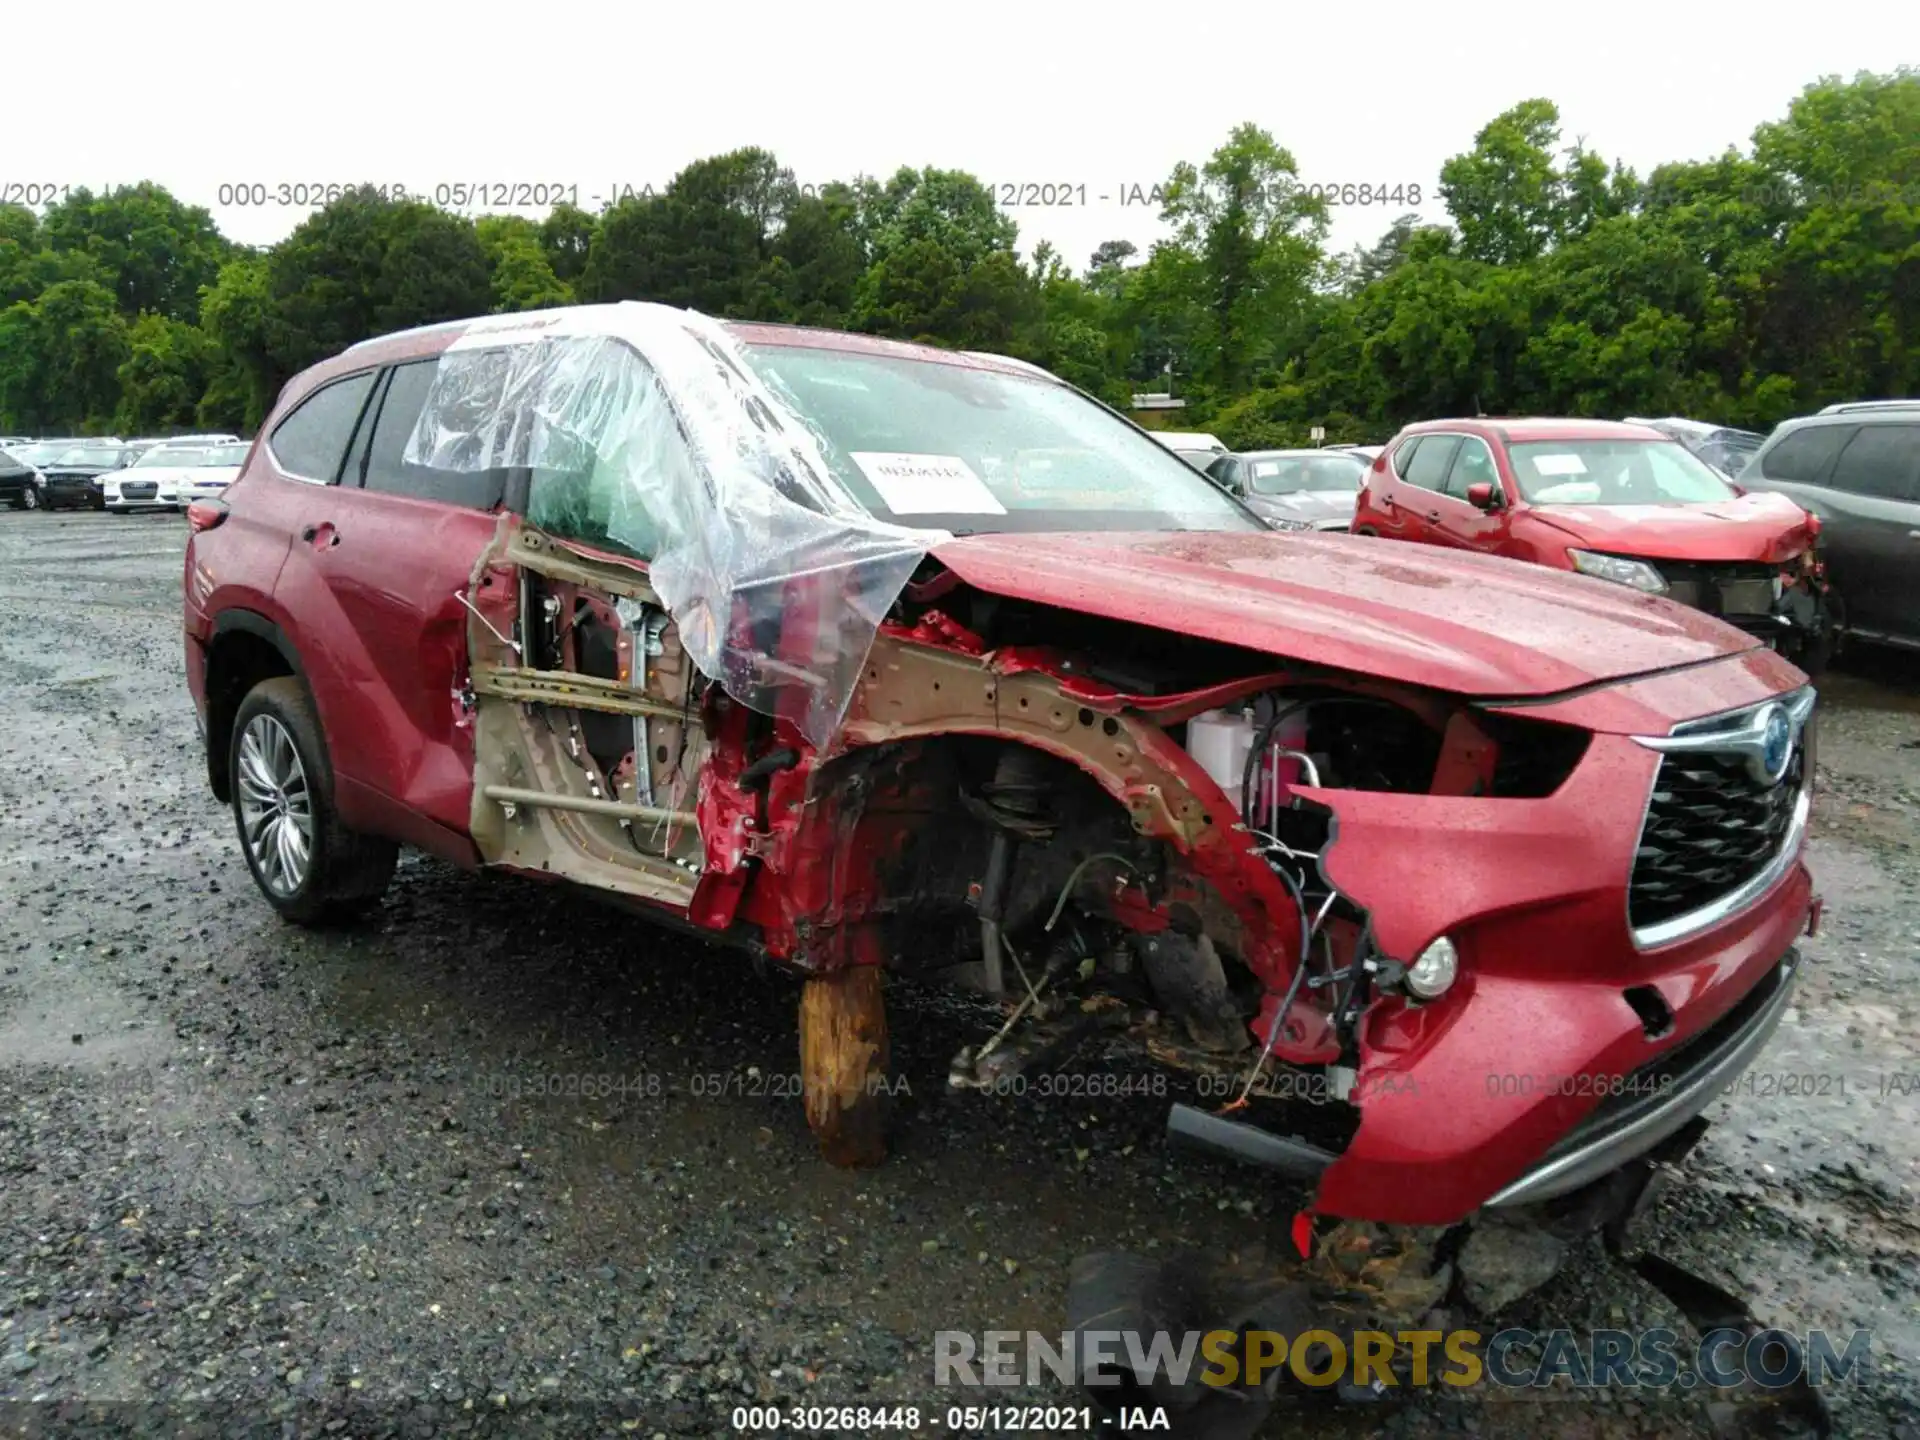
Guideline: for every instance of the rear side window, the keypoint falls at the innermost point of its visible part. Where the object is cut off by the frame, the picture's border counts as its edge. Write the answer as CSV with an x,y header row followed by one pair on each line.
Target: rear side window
x,y
1403,457
1880,460
386,470
311,442
1428,468
1803,457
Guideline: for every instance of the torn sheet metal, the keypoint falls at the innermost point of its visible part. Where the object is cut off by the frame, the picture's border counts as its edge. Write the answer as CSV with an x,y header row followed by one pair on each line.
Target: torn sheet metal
x,y
645,430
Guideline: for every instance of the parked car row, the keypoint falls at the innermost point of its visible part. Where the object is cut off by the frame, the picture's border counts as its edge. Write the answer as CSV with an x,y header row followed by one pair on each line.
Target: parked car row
x,y
98,473
1802,537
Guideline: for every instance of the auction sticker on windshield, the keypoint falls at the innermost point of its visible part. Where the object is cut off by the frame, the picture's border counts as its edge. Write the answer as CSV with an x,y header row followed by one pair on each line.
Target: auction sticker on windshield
x,y
927,484
1559,465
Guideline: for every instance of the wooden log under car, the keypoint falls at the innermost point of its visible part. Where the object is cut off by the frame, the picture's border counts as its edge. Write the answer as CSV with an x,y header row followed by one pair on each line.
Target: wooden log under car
x,y
843,1063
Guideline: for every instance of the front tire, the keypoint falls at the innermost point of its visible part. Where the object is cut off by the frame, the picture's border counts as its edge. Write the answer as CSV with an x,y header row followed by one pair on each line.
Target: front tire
x,y
311,868
32,500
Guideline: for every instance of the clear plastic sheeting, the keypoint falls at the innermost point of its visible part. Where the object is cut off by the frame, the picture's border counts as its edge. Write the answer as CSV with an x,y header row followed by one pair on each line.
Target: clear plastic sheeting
x,y
642,429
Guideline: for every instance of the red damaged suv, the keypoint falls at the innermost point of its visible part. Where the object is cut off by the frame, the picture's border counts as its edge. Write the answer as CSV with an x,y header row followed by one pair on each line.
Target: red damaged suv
x,y
1622,502
869,657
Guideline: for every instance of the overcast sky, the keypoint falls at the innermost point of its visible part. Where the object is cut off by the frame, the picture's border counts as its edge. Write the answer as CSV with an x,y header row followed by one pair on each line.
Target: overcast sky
x,y
594,95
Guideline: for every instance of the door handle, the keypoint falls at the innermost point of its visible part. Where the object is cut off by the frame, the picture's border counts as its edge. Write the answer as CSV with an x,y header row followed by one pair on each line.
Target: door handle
x,y
1434,516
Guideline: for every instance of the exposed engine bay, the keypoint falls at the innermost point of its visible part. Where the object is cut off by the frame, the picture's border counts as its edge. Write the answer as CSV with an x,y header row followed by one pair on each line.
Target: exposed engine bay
x,y
1119,834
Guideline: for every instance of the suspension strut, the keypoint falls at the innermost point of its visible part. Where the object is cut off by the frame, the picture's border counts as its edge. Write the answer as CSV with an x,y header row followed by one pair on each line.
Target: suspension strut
x,y
1014,801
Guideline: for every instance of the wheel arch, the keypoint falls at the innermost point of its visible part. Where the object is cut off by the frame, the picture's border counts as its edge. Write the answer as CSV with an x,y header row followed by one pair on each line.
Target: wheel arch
x,y
245,648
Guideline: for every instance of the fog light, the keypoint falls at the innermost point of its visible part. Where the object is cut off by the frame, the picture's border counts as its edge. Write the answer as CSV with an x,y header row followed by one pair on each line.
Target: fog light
x,y
1431,976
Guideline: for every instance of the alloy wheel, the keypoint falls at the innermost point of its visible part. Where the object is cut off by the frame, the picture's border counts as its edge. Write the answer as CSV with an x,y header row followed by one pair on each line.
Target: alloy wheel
x,y
276,806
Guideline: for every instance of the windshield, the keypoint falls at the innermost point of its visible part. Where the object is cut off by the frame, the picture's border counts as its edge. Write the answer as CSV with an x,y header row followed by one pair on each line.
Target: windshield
x,y
91,455
968,450
1292,474
227,455
173,455
1615,472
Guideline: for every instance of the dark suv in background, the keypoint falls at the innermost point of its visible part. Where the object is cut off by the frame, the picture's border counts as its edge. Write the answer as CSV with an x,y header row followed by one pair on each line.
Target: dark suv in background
x,y
1858,469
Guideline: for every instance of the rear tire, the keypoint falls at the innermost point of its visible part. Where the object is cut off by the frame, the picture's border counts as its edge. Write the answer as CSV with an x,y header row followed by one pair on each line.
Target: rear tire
x,y
310,867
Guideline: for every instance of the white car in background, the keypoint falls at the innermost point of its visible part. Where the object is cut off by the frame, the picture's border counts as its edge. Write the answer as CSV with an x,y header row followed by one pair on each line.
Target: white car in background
x,y
1195,447
173,475
219,467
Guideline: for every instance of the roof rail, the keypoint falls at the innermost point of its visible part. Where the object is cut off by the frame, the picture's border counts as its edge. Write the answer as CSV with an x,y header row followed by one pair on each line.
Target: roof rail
x,y
1847,407
433,329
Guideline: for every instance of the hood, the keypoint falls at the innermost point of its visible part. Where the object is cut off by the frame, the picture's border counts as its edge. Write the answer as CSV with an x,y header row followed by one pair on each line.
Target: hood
x,y
1312,506
90,471
1760,526
1452,620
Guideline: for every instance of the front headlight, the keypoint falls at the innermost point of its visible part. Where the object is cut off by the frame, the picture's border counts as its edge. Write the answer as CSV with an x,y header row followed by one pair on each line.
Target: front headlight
x,y
1622,571
1290,524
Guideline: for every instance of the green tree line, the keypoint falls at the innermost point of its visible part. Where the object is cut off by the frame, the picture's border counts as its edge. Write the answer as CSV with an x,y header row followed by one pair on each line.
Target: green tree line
x,y
1745,288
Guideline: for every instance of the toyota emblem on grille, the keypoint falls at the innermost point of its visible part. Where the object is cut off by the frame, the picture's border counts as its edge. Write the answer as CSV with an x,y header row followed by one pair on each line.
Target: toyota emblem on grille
x,y
1769,759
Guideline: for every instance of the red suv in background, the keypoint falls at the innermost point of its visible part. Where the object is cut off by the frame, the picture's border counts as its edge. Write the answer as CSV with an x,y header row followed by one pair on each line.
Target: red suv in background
x,y
1621,502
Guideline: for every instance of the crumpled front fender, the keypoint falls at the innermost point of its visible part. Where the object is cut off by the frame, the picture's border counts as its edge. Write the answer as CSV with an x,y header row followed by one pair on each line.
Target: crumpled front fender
x,y
1461,1096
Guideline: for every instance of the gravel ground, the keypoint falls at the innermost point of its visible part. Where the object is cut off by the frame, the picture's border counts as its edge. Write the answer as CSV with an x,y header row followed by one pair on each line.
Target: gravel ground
x,y
248,1172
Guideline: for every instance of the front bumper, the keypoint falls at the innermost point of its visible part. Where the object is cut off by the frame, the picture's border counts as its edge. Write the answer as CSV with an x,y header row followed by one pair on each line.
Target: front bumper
x,y
71,490
1786,609
1663,1096
158,500
1570,1044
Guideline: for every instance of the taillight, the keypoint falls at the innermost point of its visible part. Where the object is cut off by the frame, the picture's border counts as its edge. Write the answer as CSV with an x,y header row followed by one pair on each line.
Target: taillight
x,y
1813,523
205,514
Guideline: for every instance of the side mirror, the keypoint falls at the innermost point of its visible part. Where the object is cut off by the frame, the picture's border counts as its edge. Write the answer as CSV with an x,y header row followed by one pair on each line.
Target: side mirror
x,y
1482,496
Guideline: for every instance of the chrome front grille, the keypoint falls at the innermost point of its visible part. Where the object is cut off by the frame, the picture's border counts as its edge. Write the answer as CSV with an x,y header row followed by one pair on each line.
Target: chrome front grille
x,y
1724,820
